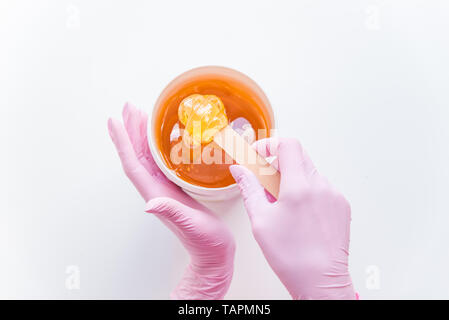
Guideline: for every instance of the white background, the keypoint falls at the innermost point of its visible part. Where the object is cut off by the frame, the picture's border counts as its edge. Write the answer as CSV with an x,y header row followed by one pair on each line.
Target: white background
x,y
363,84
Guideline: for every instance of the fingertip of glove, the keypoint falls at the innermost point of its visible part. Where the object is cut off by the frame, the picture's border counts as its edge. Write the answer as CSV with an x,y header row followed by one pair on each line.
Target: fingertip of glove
x,y
236,172
111,126
150,207
109,123
159,205
127,109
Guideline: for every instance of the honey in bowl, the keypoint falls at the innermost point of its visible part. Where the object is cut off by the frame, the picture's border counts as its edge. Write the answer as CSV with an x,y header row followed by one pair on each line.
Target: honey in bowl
x,y
246,108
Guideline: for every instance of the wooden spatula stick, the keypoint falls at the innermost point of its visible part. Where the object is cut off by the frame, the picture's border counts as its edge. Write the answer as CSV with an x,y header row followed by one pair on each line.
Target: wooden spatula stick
x,y
239,150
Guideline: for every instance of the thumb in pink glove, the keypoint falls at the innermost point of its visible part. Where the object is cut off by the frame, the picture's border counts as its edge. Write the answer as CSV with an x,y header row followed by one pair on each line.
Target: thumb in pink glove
x,y
207,239
305,234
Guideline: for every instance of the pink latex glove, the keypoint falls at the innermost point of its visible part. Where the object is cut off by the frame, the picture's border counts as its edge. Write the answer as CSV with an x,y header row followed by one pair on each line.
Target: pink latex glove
x,y
305,234
207,239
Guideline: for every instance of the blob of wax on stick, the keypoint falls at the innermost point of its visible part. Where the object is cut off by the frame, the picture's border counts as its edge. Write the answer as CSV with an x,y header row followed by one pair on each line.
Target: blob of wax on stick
x,y
203,116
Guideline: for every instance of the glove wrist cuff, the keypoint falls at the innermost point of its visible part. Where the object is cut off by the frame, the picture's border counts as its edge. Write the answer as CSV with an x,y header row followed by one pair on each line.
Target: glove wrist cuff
x,y
197,286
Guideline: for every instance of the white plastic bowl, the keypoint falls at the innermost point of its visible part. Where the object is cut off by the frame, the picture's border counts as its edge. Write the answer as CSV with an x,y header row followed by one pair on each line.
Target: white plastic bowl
x,y
199,192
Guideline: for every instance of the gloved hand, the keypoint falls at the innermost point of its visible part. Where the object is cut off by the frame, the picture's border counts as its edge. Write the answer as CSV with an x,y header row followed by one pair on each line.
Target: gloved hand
x,y
305,234
207,239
